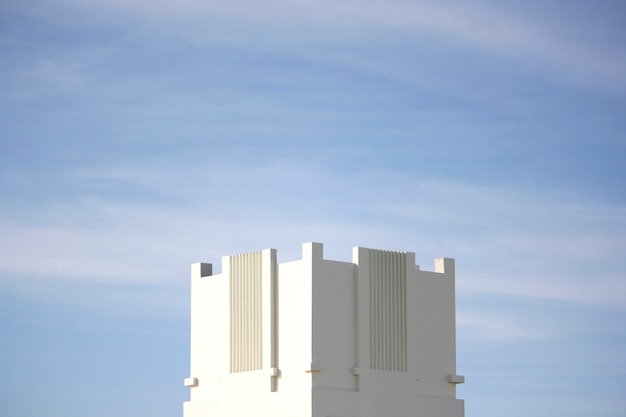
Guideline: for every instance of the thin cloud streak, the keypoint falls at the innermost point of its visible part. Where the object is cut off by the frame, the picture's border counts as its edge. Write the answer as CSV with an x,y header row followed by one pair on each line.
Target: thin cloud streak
x,y
568,254
555,48
496,328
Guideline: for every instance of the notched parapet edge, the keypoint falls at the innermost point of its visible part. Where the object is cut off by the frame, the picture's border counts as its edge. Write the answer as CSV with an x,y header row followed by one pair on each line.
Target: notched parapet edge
x,y
201,270
444,265
314,250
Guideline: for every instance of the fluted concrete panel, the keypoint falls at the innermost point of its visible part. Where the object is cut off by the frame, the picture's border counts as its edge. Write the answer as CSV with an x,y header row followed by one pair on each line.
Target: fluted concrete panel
x,y
388,329
246,313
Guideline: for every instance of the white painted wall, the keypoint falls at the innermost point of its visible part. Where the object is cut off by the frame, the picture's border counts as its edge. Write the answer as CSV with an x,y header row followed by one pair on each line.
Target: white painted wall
x,y
324,326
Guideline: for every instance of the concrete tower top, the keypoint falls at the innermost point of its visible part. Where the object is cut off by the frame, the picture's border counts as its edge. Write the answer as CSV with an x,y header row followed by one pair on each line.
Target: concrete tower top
x,y
374,337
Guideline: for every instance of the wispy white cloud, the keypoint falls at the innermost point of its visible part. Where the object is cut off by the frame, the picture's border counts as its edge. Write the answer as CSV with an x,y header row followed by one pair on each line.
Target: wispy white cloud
x,y
555,46
497,328
48,78
519,242
527,242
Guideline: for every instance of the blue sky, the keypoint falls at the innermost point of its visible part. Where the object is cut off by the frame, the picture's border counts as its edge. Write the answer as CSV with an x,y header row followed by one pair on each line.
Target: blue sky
x,y
137,137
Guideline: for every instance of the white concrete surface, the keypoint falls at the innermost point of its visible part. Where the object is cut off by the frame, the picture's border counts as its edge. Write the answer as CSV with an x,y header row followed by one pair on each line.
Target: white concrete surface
x,y
374,337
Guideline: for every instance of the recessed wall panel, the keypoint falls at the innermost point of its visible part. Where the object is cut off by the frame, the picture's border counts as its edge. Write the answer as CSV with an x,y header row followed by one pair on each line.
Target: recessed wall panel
x,y
246,314
388,329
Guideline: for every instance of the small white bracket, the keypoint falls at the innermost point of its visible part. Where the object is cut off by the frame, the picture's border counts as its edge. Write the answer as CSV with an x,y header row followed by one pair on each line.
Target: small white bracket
x,y
456,379
191,382
314,367
356,371
275,372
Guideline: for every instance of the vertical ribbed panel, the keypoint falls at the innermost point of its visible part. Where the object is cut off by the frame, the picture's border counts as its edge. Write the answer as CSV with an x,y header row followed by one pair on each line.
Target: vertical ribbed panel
x,y
388,338
246,330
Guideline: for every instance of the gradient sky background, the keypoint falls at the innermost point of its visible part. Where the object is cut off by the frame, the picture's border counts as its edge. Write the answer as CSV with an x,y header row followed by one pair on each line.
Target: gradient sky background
x,y
137,137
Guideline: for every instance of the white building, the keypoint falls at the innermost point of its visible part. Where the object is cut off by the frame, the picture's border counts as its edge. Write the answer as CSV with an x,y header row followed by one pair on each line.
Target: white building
x,y
374,337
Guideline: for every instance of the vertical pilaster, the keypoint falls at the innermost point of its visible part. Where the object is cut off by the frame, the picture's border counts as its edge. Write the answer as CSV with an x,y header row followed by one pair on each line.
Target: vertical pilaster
x,y
312,258
411,315
446,266
269,308
361,258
